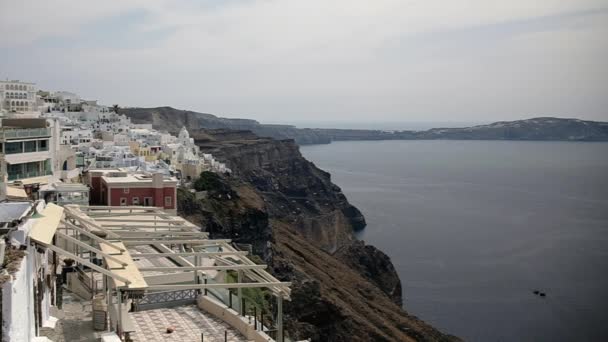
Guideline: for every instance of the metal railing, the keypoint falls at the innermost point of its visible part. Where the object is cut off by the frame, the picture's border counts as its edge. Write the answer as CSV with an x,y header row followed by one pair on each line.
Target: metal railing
x,y
24,175
153,300
17,133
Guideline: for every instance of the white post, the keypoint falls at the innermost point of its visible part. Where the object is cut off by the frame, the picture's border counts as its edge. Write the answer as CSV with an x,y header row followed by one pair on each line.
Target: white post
x,y
279,319
108,302
240,292
119,298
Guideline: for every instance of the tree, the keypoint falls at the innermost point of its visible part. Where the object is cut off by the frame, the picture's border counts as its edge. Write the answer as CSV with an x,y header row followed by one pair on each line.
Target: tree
x,y
115,108
208,181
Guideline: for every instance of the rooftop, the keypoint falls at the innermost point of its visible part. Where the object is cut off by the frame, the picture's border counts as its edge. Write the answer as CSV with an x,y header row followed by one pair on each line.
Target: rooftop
x,y
11,211
135,178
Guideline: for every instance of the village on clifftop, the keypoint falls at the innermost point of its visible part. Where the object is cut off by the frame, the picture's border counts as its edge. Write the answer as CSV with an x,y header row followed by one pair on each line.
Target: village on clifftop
x,y
92,247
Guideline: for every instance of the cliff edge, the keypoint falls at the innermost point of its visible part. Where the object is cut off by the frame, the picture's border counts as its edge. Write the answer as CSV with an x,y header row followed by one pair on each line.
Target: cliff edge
x,y
302,226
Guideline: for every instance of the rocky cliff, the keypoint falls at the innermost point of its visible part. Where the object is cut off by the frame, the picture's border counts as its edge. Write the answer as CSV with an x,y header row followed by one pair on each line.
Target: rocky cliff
x,y
302,226
172,120
544,128
293,189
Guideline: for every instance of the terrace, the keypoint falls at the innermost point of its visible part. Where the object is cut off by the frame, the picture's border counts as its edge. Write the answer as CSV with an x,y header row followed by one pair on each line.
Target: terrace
x,y
153,271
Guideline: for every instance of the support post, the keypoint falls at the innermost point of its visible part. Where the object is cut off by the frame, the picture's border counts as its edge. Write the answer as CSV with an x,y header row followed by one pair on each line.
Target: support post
x,y
239,291
196,264
108,293
279,319
119,299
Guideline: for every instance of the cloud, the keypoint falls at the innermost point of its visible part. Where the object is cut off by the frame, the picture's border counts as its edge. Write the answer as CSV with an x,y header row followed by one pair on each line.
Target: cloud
x,y
401,60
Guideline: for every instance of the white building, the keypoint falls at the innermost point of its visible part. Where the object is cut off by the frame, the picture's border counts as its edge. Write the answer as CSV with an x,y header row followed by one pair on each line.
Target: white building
x,y
18,97
25,150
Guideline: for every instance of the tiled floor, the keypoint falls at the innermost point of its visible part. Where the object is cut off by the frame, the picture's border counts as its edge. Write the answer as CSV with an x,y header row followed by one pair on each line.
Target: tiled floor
x,y
188,321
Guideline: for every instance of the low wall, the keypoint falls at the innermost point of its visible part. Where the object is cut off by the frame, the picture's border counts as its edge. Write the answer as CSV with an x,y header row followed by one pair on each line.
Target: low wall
x,y
232,318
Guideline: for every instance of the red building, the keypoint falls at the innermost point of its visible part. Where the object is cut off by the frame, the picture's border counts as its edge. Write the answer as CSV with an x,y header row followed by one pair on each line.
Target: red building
x,y
115,187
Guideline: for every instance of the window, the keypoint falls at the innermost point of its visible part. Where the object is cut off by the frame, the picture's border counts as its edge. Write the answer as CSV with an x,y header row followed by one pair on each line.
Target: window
x,y
125,190
47,167
29,146
14,147
123,201
43,145
148,201
135,200
168,201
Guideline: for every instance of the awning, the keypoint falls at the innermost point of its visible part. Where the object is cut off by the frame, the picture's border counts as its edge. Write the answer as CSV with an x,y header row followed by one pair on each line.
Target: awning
x,y
34,180
15,193
44,229
130,271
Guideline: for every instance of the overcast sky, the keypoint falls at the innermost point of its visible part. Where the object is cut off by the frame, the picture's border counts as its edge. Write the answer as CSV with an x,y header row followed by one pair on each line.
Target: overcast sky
x,y
324,60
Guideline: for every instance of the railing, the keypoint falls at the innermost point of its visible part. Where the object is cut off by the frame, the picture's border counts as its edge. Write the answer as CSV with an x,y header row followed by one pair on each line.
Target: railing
x,y
24,175
153,300
16,133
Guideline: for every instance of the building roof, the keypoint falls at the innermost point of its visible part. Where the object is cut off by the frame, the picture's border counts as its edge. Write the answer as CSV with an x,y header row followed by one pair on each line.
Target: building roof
x,y
136,179
59,186
14,192
11,211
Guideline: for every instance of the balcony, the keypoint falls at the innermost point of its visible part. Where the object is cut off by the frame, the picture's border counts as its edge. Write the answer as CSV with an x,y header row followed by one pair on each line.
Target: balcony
x,y
25,175
22,133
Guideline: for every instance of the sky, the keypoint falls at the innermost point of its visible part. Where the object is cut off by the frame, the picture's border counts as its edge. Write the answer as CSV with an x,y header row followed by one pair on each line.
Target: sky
x,y
319,60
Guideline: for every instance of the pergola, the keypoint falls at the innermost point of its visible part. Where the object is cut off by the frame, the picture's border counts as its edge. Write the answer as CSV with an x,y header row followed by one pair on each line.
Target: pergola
x,y
116,235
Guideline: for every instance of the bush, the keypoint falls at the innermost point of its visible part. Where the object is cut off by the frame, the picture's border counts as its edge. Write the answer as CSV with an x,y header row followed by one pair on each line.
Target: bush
x,y
208,181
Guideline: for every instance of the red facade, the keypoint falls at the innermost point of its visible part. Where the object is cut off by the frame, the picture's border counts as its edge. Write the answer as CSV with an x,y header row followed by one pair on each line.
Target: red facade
x,y
154,197
132,191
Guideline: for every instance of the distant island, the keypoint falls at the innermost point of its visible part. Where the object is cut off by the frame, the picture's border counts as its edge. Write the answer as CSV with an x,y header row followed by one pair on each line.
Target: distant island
x,y
540,129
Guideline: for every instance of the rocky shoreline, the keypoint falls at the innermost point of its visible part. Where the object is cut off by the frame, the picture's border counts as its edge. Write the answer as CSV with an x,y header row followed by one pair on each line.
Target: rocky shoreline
x,y
303,227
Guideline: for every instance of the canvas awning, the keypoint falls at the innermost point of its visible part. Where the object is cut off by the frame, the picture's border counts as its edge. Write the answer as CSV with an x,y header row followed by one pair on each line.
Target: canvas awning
x,y
16,193
46,226
130,271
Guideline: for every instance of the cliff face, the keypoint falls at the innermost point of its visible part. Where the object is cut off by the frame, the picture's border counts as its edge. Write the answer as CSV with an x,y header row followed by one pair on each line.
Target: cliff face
x,y
546,128
172,120
302,226
293,189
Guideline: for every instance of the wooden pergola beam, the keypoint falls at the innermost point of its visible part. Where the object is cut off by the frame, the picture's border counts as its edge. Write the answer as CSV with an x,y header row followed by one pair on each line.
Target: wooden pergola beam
x,y
89,247
203,268
216,286
129,233
92,236
208,243
88,223
169,255
89,264
126,226
114,207
113,219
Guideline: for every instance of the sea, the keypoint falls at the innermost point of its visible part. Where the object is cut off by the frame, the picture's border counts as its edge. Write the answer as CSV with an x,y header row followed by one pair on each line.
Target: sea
x,y
474,228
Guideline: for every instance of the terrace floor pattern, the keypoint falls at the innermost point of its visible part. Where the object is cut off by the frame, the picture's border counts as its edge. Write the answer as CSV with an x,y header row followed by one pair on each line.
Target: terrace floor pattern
x,y
188,321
